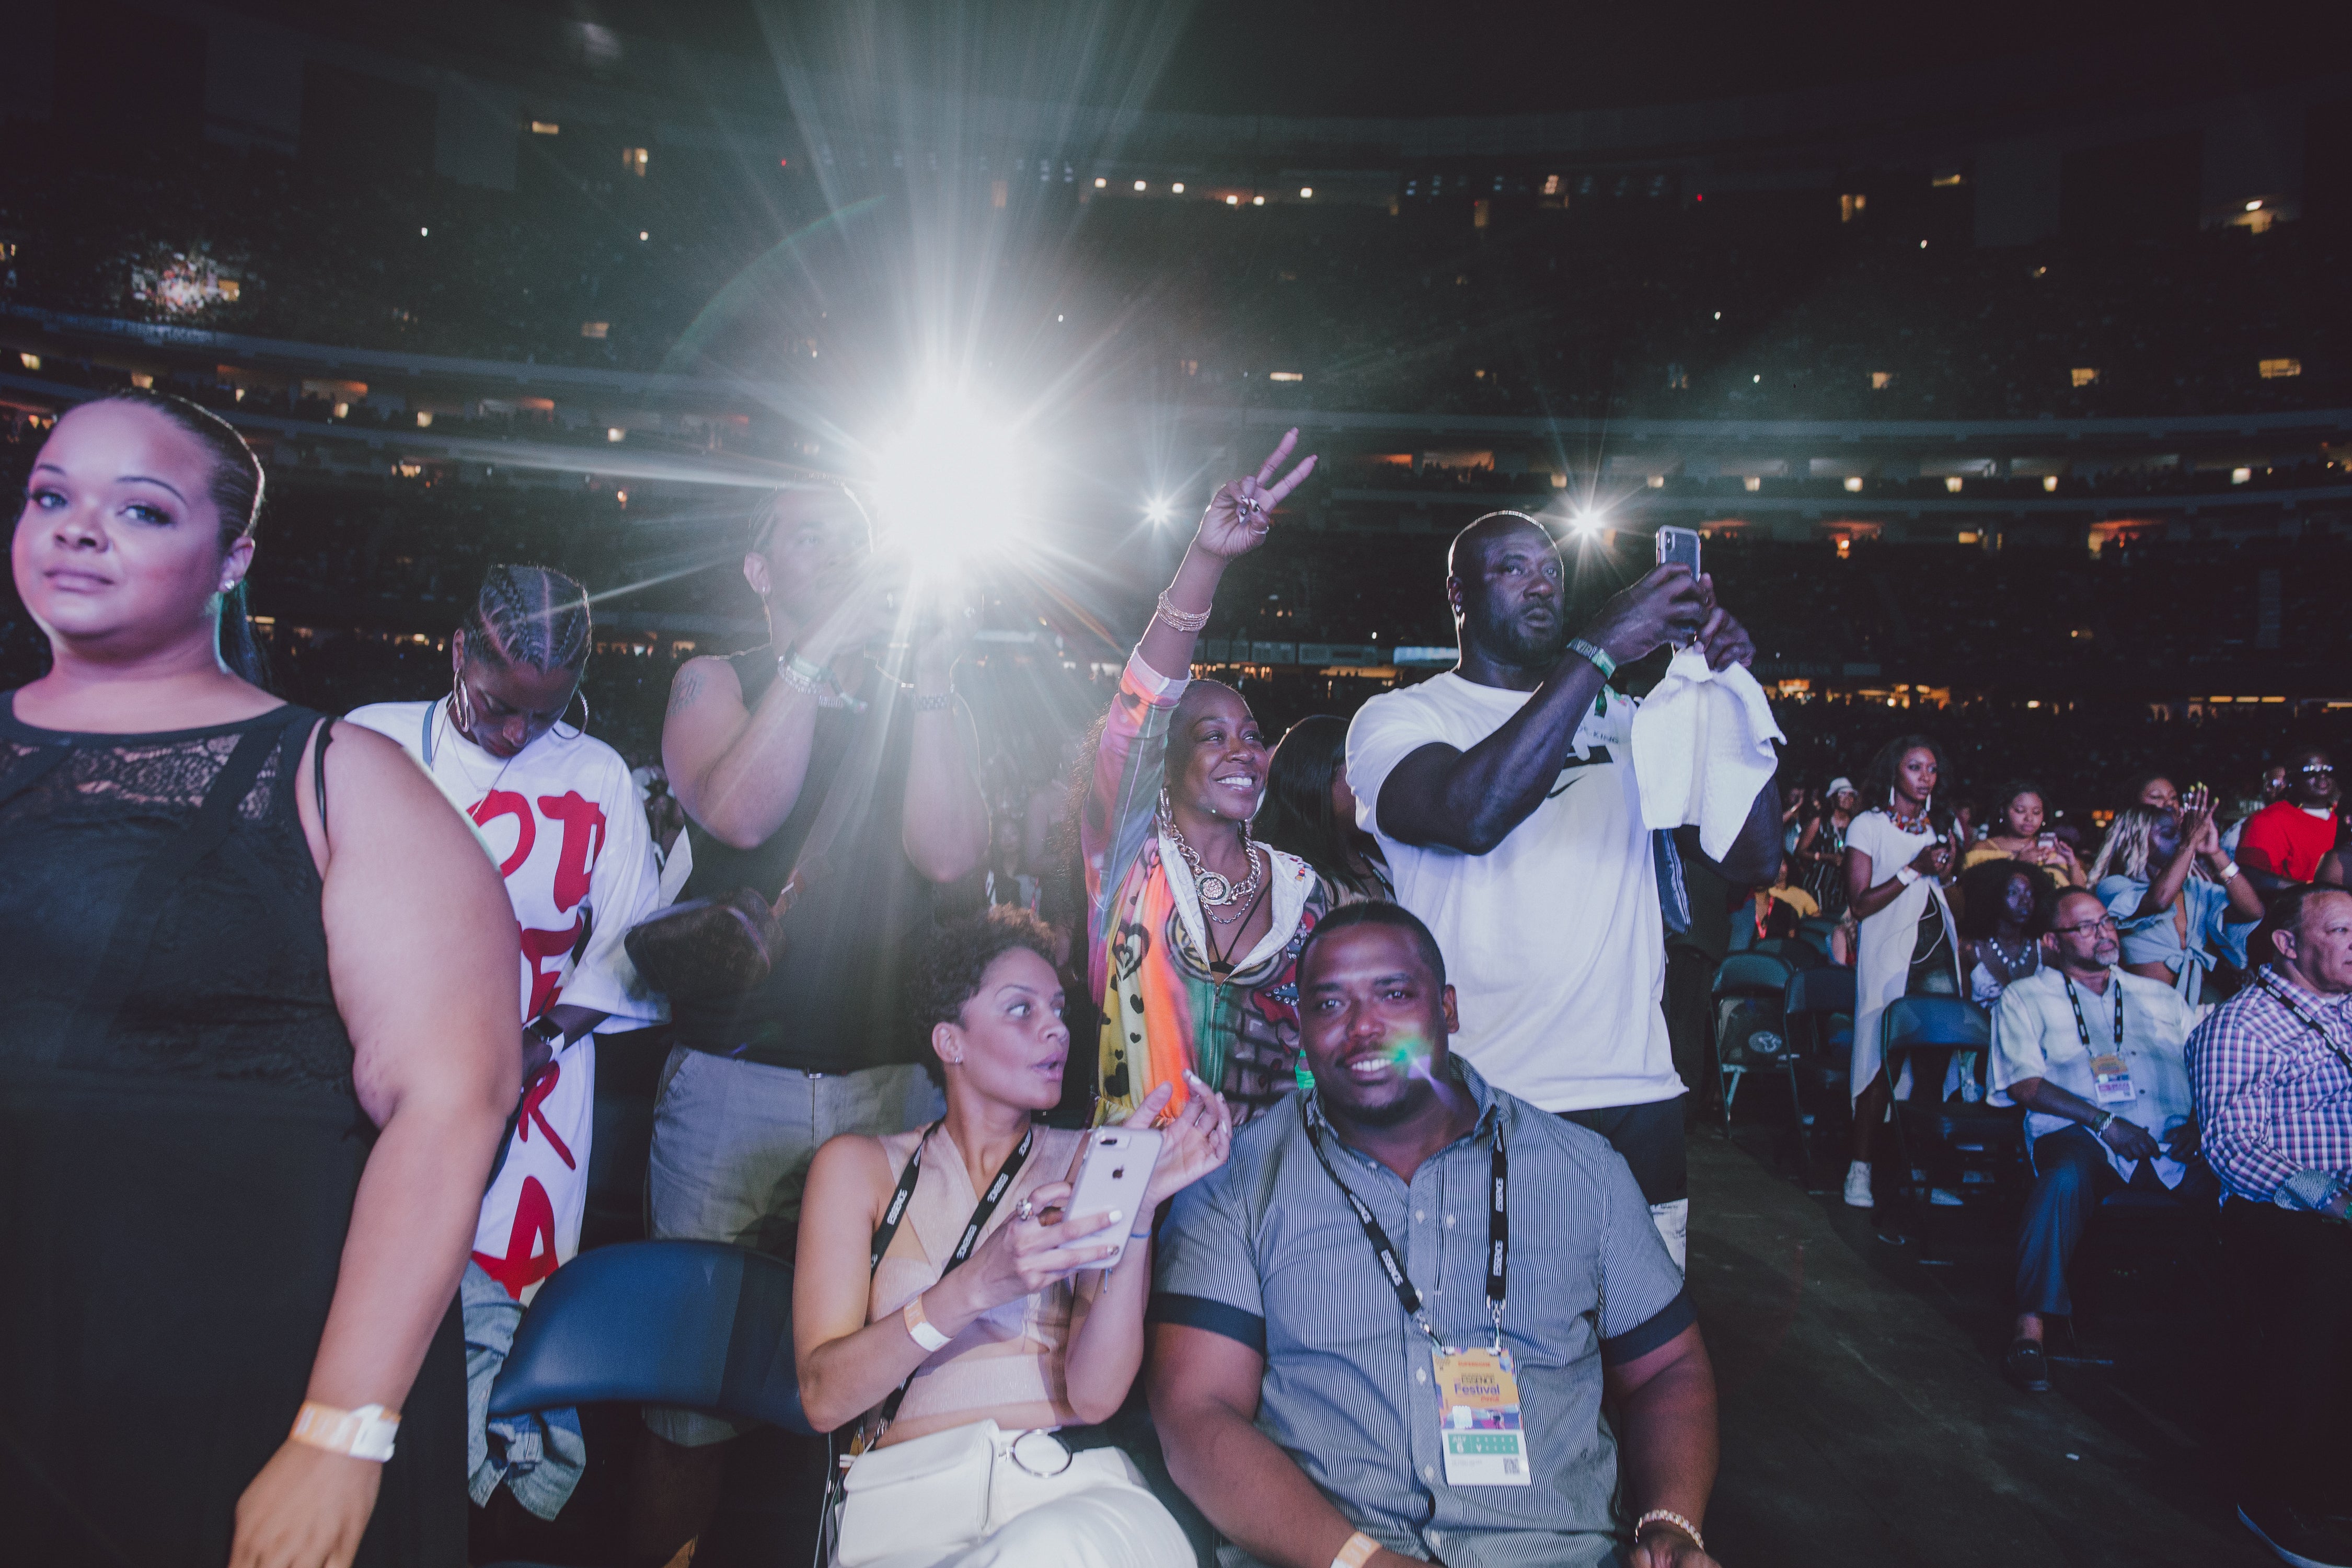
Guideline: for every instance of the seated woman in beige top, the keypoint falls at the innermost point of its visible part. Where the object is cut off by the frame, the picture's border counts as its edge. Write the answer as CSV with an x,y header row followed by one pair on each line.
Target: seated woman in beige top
x,y
1030,1333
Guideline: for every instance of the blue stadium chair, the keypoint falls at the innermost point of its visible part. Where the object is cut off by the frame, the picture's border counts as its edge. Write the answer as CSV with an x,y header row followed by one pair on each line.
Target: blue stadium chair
x,y
1817,1013
1798,953
694,1324
1749,1036
1945,1142
1813,931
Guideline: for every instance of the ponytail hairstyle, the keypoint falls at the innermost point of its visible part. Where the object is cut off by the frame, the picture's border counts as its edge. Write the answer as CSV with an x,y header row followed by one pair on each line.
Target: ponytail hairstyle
x,y
236,488
529,615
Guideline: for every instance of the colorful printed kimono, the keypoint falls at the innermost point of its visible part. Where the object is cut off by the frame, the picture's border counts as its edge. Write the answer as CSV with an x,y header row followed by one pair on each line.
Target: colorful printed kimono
x,y
1162,1012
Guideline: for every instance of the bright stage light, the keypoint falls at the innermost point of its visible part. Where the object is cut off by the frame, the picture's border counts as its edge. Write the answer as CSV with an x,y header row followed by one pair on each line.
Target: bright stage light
x,y
1159,510
953,485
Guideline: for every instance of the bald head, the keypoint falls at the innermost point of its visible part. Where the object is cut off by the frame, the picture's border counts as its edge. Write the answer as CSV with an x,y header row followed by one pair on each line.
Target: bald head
x,y
1470,544
1505,582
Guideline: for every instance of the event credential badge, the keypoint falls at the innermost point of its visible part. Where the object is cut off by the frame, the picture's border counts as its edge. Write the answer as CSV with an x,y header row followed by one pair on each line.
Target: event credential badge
x,y
2111,1080
1478,1410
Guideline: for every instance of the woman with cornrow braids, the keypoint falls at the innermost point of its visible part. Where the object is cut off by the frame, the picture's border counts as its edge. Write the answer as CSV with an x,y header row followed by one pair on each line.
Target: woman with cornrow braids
x,y
559,813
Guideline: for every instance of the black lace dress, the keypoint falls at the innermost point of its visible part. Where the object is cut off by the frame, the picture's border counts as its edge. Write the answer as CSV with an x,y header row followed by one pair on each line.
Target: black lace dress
x,y
180,1144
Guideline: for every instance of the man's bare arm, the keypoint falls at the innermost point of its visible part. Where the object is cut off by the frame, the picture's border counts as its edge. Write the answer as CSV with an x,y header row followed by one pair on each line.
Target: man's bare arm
x,y
1205,1393
738,772
1665,1422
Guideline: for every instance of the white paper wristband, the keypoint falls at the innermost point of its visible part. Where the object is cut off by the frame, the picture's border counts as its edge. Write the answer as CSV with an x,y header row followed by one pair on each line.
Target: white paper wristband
x,y
919,1326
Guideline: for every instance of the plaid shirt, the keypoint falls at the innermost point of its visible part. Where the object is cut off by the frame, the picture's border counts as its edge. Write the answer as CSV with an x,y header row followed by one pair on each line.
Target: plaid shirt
x,y
2275,1090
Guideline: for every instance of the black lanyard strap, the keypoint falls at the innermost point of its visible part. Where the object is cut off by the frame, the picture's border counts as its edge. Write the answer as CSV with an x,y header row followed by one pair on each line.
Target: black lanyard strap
x,y
2082,1029
1498,1233
2278,993
980,1211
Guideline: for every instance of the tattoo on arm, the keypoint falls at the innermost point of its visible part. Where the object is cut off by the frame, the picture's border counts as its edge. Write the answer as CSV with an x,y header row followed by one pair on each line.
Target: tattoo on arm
x,y
688,687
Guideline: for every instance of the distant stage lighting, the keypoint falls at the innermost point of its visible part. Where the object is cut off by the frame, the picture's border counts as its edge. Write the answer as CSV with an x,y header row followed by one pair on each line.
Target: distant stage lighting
x,y
1159,510
953,485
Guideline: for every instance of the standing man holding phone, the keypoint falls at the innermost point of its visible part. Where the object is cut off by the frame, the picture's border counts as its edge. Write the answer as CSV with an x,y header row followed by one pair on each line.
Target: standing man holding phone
x,y
755,745
1504,798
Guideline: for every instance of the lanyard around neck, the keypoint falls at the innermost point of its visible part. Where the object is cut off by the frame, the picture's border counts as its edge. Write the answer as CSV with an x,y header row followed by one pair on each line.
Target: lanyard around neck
x,y
2270,982
980,1214
2082,1029
888,1409
1498,1233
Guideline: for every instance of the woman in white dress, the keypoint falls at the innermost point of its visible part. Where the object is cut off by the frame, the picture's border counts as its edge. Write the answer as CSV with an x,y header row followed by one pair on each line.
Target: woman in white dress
x,y
1897,854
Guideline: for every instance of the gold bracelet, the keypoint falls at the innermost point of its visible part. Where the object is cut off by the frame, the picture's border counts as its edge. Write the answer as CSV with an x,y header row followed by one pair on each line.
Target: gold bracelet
x,y
1182,620
1668,1516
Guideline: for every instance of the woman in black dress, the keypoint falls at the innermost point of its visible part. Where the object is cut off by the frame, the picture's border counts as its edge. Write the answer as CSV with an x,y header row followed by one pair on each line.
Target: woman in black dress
x,y
259,1049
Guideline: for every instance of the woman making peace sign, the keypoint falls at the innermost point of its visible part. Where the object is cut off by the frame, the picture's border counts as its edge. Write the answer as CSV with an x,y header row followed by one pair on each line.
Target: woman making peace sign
x,y
1192,926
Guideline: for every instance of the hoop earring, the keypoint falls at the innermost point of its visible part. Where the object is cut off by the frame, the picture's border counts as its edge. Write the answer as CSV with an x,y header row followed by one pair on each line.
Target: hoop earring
x,y
461,711
581,728
1167,812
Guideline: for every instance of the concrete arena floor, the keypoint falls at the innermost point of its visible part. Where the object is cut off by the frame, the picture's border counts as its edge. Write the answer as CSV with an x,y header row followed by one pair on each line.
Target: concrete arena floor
x,y
1866,1421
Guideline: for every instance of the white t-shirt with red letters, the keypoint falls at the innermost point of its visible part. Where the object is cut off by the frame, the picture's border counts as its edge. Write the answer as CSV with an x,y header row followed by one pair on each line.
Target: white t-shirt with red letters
x,y
562,821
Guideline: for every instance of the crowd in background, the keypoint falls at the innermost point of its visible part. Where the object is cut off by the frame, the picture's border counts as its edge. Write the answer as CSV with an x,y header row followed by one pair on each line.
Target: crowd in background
x,y
1574,312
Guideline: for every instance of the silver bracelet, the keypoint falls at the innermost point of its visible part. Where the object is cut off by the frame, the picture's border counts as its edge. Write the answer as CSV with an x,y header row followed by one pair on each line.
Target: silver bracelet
x,y
802,675
1182,620
1668,1516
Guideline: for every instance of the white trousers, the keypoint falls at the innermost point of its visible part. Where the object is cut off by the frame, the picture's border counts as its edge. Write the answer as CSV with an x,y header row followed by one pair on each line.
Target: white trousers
x,y
1095,1514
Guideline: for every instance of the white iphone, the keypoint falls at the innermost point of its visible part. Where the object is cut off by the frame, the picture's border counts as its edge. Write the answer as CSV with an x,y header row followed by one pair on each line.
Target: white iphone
x,y
1114,1172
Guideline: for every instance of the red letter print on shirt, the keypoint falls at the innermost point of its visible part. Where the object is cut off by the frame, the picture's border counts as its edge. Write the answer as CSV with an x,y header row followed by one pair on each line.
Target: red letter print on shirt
x,y
538,947
530,1248
505,803
534,1101
584,840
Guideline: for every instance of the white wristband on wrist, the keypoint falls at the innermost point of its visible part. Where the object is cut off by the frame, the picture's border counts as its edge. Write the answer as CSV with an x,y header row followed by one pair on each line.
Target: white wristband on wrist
x,y
1906,875
366,1433
919,1326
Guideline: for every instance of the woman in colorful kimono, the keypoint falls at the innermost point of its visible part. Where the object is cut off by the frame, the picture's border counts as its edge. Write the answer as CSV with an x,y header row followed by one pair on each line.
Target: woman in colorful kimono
x,y
1193,926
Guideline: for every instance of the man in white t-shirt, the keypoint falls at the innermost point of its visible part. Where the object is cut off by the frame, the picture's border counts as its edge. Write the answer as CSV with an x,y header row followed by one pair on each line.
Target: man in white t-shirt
x,y
1502,796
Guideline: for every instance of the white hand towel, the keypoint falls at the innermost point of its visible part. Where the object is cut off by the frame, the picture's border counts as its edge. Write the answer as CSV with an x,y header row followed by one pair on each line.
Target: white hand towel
x,y
1703,748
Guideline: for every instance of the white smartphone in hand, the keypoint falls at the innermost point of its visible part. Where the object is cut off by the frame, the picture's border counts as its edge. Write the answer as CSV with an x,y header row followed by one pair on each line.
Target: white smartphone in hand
x,y
1114,1172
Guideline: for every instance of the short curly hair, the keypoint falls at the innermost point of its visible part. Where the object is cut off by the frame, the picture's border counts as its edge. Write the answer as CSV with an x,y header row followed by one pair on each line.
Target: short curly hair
x,y
958,959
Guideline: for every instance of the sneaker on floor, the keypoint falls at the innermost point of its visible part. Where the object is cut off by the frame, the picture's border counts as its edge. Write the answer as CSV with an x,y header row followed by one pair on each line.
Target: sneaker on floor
x,y
2304,1537
1857,1186
2028,1366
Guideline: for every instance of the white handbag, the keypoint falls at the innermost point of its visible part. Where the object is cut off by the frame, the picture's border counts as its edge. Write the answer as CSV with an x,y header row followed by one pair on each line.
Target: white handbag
x,y
929,1492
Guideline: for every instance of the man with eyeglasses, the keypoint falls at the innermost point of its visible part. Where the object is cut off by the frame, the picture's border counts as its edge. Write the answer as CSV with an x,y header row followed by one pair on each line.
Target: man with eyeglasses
x,y
2095,1055
2273,1067
2285,841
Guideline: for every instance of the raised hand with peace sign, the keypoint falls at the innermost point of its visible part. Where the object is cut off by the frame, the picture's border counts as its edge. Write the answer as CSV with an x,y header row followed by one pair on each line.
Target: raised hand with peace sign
x,y
1241,514
1239,517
